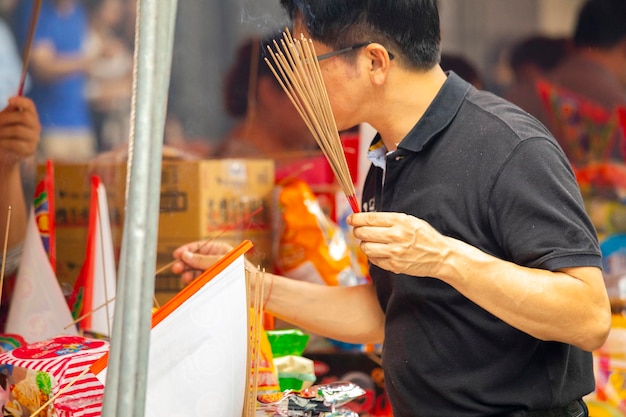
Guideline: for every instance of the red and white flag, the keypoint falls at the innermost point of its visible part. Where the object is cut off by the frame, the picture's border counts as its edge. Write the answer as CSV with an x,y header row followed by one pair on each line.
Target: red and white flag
x,y
43,204
92,301
38,309
198,345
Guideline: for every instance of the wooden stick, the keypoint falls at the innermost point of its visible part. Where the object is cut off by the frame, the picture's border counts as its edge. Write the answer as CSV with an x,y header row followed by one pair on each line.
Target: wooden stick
x,y
246,399
32,26
93,310
61,391
84,316
295,173
256,331
221,232
166,267
255,328
4,251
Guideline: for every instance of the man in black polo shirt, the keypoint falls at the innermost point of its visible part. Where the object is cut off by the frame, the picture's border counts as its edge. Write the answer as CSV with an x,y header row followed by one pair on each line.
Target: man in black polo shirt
x,y
487,289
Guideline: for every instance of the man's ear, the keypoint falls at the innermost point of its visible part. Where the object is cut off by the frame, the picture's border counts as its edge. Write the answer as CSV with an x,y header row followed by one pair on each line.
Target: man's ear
x,y
379,62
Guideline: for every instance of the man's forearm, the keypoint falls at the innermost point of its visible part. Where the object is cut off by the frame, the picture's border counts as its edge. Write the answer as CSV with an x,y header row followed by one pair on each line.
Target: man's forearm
x,y
46,65
349,314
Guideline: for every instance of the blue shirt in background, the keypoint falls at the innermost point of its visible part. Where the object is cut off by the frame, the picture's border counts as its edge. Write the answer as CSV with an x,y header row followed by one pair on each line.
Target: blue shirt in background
x,y
61,103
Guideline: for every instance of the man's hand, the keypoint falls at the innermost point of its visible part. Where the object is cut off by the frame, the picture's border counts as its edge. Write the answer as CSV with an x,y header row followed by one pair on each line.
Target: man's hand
x,y
400,243
195,257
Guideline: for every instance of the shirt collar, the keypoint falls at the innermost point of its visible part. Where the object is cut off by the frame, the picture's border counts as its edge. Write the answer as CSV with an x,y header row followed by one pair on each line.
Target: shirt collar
x,y
377,153
437,117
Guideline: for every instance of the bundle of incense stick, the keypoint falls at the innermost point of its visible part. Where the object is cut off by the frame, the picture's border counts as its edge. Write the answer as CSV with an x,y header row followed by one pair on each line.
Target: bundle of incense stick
x,y
255,327
295,66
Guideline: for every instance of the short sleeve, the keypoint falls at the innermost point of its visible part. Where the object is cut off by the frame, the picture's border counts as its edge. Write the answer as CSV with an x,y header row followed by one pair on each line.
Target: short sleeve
x,y
538,212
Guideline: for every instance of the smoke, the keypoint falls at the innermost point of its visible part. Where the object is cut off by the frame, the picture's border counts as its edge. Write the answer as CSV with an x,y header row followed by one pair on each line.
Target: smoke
x,y
259,17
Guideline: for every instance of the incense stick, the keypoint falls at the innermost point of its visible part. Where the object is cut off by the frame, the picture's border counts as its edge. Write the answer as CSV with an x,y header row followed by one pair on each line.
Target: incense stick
x,y
256,331
106,303
4,251
93,310
255,328
221,232
246,397
295,66
32,26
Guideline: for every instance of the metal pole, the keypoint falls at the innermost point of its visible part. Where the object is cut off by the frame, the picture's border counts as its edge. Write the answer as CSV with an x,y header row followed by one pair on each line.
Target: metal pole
x,y
125,392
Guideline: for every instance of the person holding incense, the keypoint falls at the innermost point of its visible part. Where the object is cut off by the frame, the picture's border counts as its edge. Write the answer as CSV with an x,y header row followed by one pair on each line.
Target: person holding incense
x,y
486,290
19,137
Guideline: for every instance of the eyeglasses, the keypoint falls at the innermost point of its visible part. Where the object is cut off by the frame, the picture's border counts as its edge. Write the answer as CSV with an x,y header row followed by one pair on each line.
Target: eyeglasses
x,y
346,50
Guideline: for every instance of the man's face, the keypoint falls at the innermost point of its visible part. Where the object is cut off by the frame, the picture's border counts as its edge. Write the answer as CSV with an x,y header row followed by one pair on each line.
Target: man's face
x,y
343,82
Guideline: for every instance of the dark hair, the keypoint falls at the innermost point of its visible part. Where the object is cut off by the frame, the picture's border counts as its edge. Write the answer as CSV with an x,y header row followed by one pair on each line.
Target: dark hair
x,y
543,51
237,79
408,28
601,23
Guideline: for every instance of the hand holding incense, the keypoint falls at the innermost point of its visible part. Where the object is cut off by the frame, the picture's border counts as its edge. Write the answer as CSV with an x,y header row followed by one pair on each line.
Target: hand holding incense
x,y
295,66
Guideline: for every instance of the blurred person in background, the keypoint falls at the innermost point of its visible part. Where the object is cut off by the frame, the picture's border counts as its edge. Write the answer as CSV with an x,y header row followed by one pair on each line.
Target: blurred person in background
x,y
267,125
129,23
531,58
596,70
19,137
11,67
7,6
59,65
580,97
109,85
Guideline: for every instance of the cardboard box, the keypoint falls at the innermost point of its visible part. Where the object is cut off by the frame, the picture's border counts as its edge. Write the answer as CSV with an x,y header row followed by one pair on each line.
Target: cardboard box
x,y
200,200
218,203
72,193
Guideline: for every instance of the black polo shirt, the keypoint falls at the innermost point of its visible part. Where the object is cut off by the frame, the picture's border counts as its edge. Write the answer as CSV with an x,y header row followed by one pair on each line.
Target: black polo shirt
x,y
481,170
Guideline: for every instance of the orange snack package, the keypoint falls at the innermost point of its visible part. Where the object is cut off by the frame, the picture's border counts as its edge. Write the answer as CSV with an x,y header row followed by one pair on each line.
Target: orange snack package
x,y
310,247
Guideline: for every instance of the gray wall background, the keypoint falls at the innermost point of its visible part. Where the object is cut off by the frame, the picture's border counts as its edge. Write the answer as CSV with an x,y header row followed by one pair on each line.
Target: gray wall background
x,y
207,35
208,32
